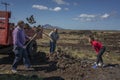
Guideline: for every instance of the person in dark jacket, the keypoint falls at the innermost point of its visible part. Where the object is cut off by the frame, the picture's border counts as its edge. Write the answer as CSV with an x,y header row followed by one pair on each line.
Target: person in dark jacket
x,y
53,41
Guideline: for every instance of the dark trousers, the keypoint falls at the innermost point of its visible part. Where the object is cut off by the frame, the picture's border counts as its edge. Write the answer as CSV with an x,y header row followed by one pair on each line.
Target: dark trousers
x,y
99,56
52,46
20,54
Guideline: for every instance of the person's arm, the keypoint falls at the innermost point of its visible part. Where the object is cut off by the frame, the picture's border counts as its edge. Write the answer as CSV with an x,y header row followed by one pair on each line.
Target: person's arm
x,y
48,35
26,36
51,36
98,46
16,39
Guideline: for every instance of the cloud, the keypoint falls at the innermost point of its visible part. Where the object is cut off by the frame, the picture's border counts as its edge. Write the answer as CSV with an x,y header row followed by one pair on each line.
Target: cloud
x,y
61,2
91,17
104,16
55,9
40,7
87,16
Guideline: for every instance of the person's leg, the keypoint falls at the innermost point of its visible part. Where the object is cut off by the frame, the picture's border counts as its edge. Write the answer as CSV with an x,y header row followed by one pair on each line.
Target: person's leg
x,y
101,60
54,46
18,57
99,56
98,59
51,47
26,58
102,52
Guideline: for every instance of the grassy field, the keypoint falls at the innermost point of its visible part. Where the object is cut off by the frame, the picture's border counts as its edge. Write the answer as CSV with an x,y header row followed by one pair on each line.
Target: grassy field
x,y
75,43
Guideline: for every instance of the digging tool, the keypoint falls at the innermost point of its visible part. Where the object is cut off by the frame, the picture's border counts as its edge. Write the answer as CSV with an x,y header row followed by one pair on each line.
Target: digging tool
x,y
37,32
47,36
31,39
35,36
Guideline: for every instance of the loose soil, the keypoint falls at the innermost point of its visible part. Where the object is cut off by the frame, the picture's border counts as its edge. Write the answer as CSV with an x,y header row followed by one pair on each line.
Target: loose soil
x,y
61,66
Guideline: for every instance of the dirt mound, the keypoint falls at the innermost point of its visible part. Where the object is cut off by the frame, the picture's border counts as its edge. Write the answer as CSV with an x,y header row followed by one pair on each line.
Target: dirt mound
x,y
81,69
62,66
65,61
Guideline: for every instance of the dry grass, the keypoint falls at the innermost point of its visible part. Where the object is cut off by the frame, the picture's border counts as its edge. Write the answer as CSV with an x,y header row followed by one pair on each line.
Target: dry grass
x,y
75,39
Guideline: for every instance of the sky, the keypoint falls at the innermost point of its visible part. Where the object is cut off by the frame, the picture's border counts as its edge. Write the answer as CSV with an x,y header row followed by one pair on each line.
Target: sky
x,y
68,14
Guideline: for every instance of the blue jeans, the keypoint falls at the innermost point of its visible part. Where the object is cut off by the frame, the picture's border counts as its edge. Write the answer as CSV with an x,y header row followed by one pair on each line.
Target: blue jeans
x,y
20,54
52,46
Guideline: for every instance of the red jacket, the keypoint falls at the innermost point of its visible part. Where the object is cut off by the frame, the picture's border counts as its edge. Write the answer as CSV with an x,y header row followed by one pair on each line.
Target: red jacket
x,y
97,46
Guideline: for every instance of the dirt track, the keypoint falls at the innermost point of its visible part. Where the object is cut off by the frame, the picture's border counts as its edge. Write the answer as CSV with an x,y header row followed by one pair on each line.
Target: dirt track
x,y
63,67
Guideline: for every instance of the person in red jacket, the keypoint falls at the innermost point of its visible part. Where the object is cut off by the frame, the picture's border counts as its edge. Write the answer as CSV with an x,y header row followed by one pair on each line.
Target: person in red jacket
x,y
99,48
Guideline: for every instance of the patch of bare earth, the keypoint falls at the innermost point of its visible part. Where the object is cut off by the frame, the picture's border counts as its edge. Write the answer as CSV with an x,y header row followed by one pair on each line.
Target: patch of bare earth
x,y
62,67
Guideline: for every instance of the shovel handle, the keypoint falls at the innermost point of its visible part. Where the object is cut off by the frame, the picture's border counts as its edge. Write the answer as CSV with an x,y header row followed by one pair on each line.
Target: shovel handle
x,y
31,39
